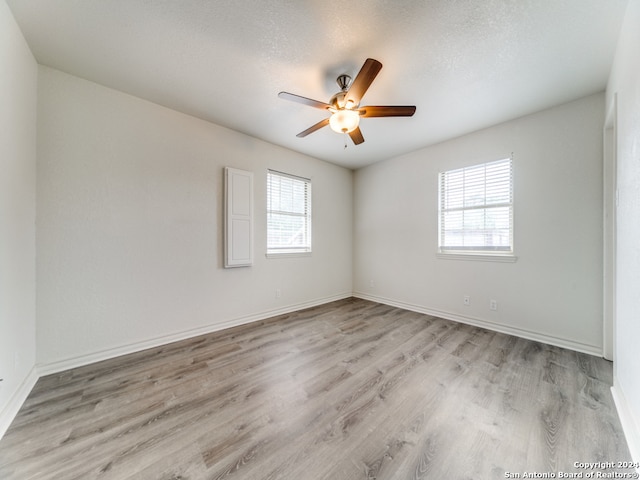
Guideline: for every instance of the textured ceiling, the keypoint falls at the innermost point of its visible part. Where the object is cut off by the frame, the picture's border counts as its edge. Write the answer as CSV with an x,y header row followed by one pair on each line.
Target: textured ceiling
x,y
465,64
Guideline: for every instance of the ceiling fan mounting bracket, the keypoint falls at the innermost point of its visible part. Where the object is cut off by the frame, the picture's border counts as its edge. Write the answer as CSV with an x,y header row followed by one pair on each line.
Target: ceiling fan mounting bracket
x,y
343,82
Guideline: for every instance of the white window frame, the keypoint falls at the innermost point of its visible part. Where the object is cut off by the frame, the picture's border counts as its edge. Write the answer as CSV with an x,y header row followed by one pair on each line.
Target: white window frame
x,y
468,191
301,212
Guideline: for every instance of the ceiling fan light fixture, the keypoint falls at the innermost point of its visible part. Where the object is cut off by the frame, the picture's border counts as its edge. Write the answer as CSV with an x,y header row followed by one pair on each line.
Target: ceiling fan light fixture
x,y
344,121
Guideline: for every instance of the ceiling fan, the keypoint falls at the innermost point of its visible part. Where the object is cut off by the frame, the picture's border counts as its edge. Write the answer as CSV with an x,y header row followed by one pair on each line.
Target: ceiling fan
x,y
345,105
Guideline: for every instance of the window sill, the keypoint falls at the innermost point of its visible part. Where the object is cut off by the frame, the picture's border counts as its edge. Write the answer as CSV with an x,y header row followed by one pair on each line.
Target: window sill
x,y
288,254
479,257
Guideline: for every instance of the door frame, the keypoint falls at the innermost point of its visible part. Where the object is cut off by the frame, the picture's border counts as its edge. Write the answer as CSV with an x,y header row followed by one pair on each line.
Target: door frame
x,y
610,204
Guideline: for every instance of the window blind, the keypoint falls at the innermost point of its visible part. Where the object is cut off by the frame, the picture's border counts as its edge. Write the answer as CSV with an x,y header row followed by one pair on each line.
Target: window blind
x,y
288,213
476,208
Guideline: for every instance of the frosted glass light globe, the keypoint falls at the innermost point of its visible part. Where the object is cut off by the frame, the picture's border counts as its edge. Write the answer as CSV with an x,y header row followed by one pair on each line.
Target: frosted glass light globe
x,y
344,121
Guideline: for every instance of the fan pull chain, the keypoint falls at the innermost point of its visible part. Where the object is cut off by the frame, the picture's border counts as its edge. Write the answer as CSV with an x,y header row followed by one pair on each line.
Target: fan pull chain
x,y
345,141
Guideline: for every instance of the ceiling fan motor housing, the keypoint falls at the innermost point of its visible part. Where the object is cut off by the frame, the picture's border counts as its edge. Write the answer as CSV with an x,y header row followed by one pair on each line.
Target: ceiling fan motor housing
x,y
338,102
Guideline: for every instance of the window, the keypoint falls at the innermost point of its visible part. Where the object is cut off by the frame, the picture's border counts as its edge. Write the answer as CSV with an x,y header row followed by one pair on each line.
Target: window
x,y
288,213
476,209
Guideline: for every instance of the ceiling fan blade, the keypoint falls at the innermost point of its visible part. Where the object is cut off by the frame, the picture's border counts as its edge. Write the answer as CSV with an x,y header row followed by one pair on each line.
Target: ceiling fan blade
x,y
313,128
356,136
304,100
387,111
363,80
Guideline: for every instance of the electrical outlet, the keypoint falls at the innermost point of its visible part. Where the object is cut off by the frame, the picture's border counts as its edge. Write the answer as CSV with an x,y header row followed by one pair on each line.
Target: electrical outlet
x,y
493,305
372,284
278,293
466,300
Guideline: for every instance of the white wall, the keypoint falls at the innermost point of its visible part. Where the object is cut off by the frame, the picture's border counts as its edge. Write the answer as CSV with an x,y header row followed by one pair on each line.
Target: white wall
x,y
554,291
18,88
130,226
625,84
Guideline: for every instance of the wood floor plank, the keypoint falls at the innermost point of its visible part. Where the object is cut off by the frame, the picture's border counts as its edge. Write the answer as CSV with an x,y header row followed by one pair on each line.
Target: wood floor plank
x,y
348,390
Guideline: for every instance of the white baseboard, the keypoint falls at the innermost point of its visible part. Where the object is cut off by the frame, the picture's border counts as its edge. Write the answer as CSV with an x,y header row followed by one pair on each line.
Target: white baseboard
x,y
82,360
10,411
630,424
478,322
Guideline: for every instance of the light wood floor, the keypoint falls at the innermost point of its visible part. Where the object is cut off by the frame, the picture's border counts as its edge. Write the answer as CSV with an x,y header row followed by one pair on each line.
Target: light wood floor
x,y
347,390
